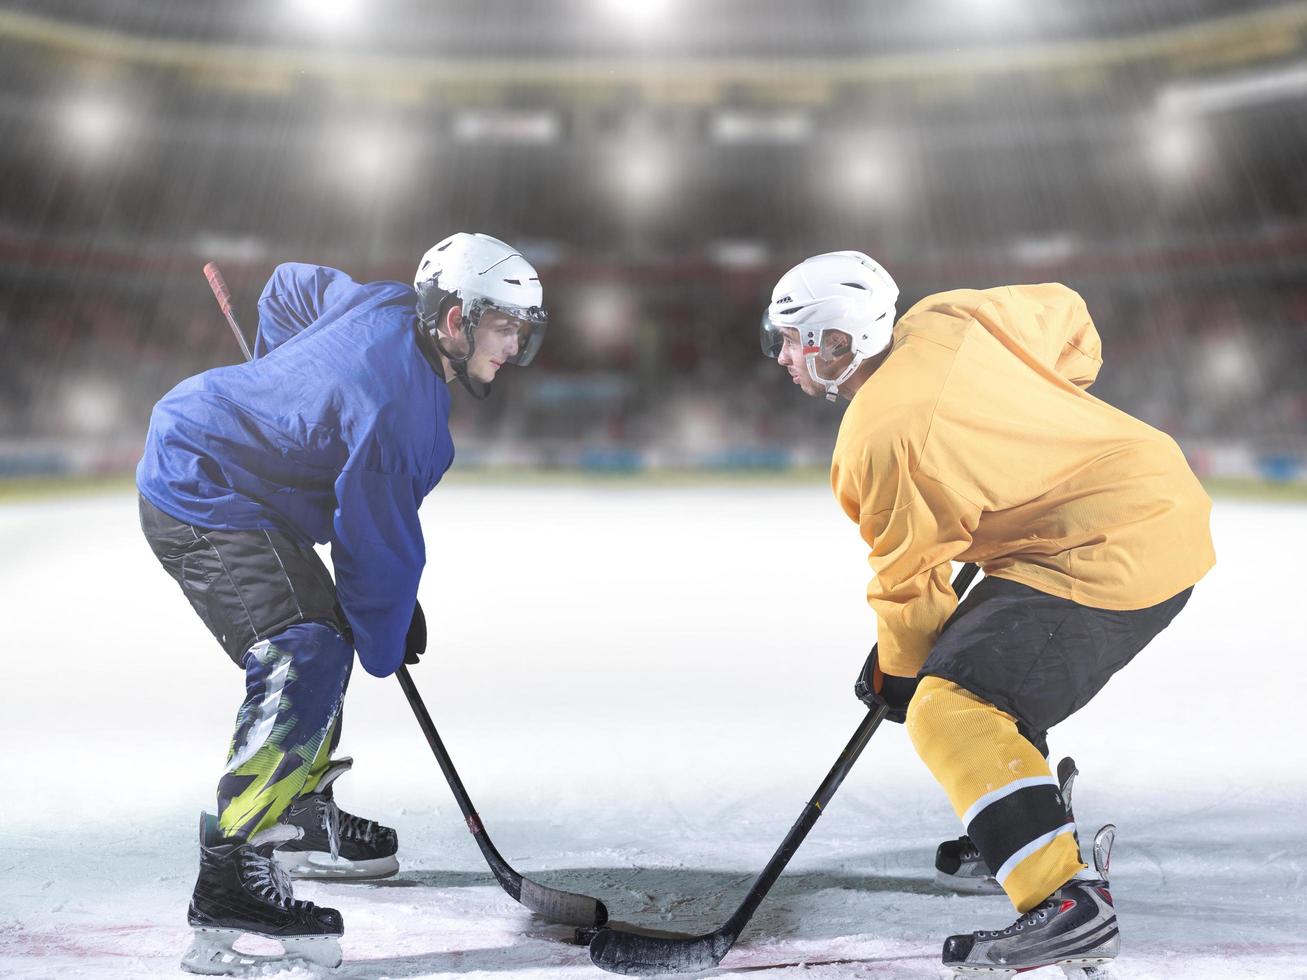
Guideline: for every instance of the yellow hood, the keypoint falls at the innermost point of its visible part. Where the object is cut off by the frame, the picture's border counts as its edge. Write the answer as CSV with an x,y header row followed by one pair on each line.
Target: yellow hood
x,y
1047,325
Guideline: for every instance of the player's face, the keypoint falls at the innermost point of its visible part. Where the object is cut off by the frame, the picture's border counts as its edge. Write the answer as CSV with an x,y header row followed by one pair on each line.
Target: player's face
x,y
791,358
498,338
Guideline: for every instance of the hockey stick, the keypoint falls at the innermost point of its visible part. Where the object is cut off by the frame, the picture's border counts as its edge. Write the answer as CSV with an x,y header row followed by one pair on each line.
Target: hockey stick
x,y
646,955
552,903
223,295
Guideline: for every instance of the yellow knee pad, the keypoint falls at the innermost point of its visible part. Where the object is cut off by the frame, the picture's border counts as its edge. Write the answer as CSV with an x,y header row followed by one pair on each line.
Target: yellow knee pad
x,y
1000,787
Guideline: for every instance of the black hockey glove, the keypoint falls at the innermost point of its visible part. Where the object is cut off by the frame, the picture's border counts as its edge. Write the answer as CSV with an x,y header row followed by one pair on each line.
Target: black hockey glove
x,y
415,643
875,687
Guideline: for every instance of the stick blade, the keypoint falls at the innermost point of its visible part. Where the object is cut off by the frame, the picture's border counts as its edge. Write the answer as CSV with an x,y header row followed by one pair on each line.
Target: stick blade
x,y
560,906
643,956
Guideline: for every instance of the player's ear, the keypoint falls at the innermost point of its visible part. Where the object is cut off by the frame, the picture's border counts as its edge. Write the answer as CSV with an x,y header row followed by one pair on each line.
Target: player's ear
x,y
451,323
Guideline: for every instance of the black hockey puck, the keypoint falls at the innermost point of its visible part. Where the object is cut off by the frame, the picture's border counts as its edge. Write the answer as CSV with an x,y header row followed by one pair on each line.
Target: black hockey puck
x,y
584,934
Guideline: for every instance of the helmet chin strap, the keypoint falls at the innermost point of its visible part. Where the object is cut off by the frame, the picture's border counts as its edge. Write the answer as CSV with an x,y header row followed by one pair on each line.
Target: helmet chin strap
x,y
832,386
478,390
426,329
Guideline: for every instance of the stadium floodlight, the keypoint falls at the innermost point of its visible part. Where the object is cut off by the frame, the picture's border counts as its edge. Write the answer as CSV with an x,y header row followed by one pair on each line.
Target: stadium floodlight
x,y
328,17
641,173
640,15
1176,147
1230,366
867,171
604,315
368,158
91,123
92,406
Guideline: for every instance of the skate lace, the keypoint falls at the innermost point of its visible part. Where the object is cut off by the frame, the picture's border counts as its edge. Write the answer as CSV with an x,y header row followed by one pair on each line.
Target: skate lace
x,y
1036,915
337,823
269,880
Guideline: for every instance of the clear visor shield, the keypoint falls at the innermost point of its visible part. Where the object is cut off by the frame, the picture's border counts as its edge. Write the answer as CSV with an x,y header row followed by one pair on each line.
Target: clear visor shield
x,y
827,352
515,333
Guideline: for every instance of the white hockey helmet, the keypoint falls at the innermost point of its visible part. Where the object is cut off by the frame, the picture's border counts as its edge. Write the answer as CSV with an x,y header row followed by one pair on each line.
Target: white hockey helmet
x,y
480,273
842,306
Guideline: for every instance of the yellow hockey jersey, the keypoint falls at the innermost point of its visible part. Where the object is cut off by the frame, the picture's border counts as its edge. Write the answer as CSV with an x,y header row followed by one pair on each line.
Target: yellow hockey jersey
x,y
975,440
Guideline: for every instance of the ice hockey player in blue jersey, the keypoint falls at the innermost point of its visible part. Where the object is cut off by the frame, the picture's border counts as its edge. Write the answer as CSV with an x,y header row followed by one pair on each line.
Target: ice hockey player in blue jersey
x,y
333,434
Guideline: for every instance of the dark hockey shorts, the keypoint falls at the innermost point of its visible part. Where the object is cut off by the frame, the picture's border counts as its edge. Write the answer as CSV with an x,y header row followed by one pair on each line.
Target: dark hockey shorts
x,y
1036,656
245,585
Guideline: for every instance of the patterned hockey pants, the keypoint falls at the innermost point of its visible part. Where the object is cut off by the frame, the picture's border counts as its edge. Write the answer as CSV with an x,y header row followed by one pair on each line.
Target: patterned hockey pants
x,y
287,727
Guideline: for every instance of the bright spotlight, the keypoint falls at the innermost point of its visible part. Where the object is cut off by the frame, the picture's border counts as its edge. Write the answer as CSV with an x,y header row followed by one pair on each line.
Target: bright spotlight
x,y
863,174
92,406
641,176
326,16
1177,147
867,172
641,173
605,315
640,15
91,123
1230,366
368,159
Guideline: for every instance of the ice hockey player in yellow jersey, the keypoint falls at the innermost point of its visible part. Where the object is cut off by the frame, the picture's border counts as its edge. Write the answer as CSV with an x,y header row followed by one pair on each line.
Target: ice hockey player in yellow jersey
x,y
970,436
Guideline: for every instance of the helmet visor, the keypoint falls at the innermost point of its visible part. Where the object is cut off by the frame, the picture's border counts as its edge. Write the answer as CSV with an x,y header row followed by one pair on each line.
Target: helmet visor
x,y
771,336
518,331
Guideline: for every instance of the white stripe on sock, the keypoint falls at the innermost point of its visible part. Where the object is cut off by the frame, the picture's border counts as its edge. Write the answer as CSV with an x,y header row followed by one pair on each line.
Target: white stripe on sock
x,y
999,794
1011,863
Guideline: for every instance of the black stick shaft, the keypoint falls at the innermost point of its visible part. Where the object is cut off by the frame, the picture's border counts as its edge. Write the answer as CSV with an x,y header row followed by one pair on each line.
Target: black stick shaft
x,y
438,750
823,795
552,903
806,821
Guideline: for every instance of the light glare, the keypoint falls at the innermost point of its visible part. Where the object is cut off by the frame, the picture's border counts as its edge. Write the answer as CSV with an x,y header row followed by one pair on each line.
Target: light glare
x,y
326,16
641,173
369,159
870,172
1176,148
640,15
90,123
604,316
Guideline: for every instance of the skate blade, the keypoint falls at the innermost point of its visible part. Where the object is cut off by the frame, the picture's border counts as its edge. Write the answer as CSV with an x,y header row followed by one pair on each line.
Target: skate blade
x,y
1088,969
213,953
321,866
968,885
1092,968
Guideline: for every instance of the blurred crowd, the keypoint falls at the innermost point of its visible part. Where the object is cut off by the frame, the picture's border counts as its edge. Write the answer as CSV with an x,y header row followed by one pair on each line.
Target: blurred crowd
x,y
637,375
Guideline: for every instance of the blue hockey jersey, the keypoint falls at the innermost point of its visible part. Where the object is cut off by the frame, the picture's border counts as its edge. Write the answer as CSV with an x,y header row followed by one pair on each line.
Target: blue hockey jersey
x,y
335,432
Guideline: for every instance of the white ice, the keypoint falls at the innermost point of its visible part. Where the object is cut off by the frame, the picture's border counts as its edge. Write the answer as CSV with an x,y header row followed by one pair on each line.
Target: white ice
x,y
641,687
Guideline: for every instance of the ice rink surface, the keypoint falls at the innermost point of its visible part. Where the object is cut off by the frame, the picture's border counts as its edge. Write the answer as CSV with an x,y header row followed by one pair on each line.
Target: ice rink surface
x,y
641,687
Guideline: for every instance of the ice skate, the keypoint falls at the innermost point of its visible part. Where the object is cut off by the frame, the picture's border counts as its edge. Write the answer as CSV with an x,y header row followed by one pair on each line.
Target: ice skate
x,y
336,844
1074,928
960,868
958,864
242,891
